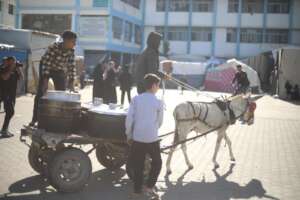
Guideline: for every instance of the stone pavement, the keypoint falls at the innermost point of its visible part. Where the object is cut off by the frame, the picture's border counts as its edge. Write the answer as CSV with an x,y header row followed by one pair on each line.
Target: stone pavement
x,y
267,160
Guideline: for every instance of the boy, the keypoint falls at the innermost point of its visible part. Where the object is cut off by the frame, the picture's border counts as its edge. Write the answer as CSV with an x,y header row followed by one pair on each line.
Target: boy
x,y
57,63
143,120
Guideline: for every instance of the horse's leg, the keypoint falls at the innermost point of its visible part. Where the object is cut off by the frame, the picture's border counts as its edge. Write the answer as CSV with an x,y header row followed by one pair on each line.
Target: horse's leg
x,y
170,154
229,147
217,147
184,151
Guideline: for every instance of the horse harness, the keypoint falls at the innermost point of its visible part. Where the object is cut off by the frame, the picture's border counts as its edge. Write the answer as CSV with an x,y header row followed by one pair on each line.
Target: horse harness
x,y
221,105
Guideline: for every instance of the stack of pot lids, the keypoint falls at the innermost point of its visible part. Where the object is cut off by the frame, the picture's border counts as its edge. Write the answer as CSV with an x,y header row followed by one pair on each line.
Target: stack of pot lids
x,y
62,96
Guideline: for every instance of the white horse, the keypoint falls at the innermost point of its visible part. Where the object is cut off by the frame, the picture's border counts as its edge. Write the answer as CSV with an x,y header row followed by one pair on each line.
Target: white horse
x,y
202,117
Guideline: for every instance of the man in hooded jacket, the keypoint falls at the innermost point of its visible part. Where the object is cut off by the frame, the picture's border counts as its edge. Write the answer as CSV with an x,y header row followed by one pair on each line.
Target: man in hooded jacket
x,y
148,61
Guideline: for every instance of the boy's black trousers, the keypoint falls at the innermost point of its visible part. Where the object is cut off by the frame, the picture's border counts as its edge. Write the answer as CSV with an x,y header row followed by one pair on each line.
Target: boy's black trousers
x,y
137,157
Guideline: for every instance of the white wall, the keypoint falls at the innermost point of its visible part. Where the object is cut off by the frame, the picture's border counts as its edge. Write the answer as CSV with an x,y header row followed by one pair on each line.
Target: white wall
x,y
178,47
222,48
249,20
45,3
178,19
127,9
223,17
296,20
201,48
296,37
153,18
278,21
202,19
6,18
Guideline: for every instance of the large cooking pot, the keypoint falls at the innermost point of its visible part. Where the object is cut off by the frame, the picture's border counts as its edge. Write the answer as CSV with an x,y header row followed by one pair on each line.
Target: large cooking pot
x,y
106,123
59,112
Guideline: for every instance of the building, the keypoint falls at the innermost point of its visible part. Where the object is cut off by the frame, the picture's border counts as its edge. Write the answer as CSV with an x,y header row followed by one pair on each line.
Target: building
x,y
193,28
104,27
224,28
7,13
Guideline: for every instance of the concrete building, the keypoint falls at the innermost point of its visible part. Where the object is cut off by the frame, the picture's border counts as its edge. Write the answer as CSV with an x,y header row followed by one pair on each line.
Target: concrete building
x,y
7,13
105,27
224,28
194,28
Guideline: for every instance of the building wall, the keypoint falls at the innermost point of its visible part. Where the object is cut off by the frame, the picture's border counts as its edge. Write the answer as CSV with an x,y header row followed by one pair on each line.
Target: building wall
x,y
7,19
220,21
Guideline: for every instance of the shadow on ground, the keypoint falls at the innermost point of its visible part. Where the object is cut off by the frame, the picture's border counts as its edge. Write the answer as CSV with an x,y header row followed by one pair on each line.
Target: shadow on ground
x,y
221,189
35,187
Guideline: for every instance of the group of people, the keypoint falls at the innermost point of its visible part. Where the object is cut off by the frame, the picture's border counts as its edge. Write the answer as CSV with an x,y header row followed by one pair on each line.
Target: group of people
x,y
106,76
292,92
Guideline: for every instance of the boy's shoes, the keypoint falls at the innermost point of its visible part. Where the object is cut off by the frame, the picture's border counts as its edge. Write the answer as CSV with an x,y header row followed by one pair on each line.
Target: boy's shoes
x,y
6,134
151,192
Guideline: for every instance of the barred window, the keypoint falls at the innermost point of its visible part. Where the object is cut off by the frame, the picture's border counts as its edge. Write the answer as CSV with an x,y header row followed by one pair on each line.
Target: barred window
x,y
11,9
233,6
203,5
278,6
177,33
117,27
251,35
201,34
277,36
128,31
137,34
133,3
231,35
252,6
179,5
160,5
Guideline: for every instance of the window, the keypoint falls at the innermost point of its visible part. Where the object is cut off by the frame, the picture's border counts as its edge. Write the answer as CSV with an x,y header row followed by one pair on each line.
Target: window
x,y
160,5
11,9
53,23
252,6
278,6
177,33
233,6
249,35
201,34
117,28
203,5
277,36
179,5
133,3
137,34
231,35
128,32
100,3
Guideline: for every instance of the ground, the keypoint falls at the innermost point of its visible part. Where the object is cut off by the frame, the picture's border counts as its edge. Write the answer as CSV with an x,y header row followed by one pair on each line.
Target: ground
x,y
267,160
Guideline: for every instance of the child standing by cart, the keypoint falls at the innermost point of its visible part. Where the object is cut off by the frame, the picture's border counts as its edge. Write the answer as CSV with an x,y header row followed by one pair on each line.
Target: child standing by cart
x,y
143,120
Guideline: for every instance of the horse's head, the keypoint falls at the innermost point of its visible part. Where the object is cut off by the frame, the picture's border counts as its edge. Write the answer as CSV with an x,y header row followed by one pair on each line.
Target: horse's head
x,y
243,105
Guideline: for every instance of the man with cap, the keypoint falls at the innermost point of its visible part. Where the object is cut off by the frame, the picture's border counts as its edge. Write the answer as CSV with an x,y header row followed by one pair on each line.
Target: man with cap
x,y
148,61
57,63
10,73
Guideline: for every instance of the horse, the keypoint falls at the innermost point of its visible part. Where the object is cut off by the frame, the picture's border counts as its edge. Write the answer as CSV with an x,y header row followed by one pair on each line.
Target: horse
x,y
202,117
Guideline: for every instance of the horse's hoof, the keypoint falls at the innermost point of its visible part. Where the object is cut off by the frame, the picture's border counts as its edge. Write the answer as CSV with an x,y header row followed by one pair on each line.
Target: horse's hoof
x,y
232,159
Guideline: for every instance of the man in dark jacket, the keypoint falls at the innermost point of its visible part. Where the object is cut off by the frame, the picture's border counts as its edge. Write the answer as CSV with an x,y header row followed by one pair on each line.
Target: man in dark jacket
x,y
125,81
241,80
148,61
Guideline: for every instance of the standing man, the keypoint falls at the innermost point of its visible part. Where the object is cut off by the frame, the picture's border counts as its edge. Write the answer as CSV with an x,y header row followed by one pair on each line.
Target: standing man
x,y
57,63
144,118
148,61
241,80
10,73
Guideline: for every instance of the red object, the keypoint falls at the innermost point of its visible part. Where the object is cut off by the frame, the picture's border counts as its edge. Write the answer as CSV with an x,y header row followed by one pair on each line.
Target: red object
x,y
252,106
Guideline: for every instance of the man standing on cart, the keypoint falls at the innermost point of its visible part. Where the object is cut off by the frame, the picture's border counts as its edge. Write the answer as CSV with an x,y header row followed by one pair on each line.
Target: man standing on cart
x,y
57,63
143,120
241,80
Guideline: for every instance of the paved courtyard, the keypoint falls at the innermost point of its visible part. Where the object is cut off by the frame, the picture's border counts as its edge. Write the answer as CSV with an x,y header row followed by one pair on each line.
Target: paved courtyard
x,y
267,160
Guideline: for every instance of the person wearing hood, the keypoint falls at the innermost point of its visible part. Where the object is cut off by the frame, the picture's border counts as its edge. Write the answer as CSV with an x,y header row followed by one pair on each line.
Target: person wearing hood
x,y
148,61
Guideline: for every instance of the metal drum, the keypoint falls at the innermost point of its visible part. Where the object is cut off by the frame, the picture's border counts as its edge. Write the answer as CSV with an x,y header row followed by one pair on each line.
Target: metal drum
x,y
106,123
59,112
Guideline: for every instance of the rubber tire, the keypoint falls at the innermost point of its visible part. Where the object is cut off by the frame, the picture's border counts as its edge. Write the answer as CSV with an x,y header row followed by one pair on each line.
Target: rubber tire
x,y
102,157
85,170
34,159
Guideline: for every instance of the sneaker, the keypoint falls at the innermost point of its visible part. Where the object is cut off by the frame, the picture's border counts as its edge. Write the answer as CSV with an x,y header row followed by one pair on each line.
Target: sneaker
x,y
6,134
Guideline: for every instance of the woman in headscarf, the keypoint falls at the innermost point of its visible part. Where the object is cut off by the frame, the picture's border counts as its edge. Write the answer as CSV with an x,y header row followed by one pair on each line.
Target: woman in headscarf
x,y
98,85
109,76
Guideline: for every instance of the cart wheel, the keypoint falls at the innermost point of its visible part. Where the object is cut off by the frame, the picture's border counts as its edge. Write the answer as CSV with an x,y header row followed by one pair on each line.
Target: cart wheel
x,y
70,170
35,160
147,168
112,156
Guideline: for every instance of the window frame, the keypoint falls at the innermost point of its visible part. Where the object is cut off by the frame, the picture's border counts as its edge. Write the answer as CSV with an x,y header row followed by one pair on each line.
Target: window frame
x,y
197,3
128,31
117,34
204,34
11,9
